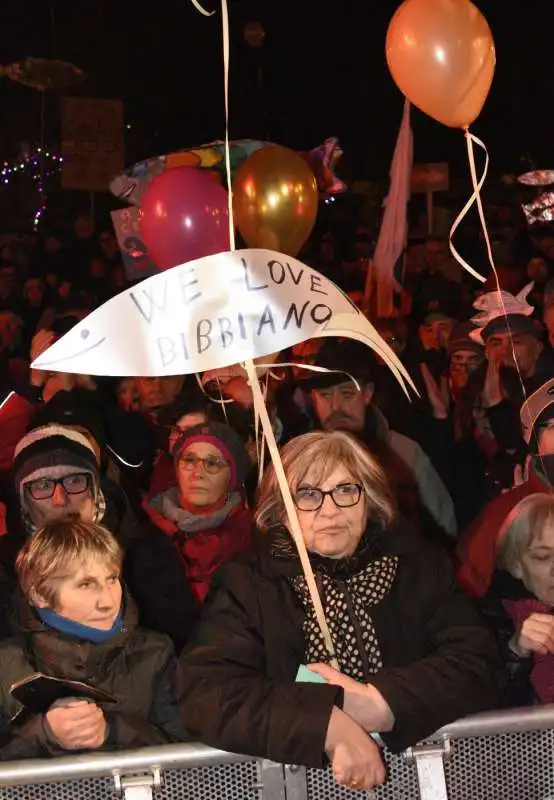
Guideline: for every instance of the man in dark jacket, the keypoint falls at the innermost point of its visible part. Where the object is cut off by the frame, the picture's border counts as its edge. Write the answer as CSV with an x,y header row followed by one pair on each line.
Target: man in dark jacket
x,y
342,404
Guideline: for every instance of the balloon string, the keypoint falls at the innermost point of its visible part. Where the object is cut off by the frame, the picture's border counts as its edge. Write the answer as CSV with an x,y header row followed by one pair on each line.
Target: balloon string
x,y
475,198
225,30
470,140
260,409
262,449
201,9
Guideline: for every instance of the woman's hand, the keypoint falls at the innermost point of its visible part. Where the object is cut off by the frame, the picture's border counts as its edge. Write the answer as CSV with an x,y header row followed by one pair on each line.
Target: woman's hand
x,y
492,388
238,389
535,636
57,382
439,396
362,701
40,343
355,758
85,382
77,725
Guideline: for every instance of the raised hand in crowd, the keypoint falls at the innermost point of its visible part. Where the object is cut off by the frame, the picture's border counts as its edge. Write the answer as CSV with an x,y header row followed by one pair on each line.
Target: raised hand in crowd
x,y
41,341
492,388
438,393
536,635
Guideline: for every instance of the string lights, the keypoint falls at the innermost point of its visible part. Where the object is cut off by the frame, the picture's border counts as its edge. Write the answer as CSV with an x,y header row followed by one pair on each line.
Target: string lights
x,y
40,165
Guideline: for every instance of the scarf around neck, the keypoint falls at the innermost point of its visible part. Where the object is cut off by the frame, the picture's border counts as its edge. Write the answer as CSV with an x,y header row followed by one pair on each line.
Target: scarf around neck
x,y
346,604
168,505
77,630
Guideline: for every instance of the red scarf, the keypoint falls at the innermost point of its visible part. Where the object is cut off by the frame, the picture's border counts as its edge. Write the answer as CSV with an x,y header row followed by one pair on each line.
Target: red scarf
x,y
542,674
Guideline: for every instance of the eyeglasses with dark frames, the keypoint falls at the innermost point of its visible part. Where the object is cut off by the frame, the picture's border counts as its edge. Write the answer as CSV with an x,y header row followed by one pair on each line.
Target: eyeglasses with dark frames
x,y
44,488
345,495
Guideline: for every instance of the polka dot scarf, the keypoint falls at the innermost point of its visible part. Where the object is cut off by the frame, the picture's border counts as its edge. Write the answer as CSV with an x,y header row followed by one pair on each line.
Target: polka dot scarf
x,y
346,604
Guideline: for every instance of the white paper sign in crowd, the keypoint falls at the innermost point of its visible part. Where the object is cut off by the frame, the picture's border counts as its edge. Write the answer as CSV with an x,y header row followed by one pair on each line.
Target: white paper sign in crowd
x,y
212,312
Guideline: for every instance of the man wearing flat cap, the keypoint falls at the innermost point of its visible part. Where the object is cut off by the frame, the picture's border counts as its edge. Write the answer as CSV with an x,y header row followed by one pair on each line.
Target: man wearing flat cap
x,y
342,399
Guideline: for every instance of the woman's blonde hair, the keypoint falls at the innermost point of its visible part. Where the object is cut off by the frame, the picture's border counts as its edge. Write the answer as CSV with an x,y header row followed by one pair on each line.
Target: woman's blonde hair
x,y
523,526
321,453
58,550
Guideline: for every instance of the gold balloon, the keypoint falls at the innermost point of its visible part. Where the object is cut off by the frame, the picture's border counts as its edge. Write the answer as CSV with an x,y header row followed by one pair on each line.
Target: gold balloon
x,y
441,55
275,200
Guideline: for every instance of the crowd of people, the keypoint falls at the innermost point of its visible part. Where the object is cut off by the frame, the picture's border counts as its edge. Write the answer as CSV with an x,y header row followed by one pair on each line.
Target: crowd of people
x,y
145,568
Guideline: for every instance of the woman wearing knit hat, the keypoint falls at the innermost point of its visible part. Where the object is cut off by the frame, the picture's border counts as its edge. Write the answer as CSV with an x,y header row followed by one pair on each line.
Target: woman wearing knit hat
x,y
205,514
56,473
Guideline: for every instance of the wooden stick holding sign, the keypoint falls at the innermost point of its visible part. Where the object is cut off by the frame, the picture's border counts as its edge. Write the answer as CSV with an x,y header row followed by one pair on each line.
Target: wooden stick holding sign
x,y
428,179
296,533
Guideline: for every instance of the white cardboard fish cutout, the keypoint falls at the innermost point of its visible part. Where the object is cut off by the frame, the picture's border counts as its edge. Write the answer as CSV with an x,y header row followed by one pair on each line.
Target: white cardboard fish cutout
x,y
497,304
212,312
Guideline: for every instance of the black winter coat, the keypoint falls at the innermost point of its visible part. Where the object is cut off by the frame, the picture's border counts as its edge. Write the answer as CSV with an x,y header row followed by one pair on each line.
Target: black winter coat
x,y
237,683
136,666
519,691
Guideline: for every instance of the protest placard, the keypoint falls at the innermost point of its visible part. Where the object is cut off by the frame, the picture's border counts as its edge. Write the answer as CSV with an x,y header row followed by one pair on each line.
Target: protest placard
x,y
223,309
136,261
92,143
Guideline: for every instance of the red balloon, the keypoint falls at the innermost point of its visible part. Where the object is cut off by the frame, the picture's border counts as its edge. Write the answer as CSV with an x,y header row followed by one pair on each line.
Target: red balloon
x,y
184,215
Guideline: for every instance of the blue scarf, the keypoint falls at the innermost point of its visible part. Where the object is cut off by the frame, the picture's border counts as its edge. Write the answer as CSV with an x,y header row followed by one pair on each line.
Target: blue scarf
x,y
78,631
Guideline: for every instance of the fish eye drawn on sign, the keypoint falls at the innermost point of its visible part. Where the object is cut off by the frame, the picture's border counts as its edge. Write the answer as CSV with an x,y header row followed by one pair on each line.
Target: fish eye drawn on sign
x,y
213,312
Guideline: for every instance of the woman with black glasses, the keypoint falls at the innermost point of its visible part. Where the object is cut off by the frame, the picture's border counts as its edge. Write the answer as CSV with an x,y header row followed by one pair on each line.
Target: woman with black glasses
x,y
412,652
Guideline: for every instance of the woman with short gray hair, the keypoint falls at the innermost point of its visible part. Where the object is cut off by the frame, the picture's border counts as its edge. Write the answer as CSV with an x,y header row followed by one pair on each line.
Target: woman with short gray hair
x,y
520,600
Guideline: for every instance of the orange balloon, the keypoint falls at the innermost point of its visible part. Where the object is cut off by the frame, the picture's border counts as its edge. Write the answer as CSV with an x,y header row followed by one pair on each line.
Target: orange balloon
x,y
275,200
441,55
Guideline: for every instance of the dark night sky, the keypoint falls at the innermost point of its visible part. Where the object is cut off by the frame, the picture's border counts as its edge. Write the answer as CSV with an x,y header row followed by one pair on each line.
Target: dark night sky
x,y
324,73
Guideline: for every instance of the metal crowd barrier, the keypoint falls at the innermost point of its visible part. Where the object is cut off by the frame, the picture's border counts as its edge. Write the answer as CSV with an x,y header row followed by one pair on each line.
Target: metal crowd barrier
x,y
501,755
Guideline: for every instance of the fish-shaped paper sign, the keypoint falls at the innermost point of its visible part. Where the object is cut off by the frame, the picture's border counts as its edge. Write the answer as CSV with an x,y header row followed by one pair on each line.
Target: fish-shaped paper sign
x,y
497,304
212,312
541,210
538,177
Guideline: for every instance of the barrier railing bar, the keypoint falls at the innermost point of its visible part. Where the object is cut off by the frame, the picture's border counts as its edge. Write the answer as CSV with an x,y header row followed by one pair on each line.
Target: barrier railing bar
x,y
99,765
496,723
194,754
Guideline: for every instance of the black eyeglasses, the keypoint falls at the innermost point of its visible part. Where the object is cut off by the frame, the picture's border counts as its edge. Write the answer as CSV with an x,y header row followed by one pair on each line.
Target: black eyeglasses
x,y
44,488
211,464
345,495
